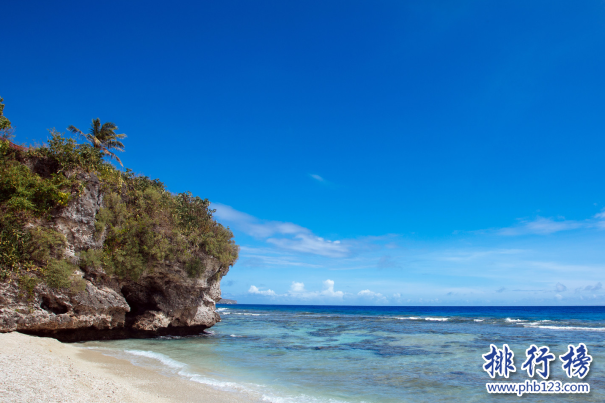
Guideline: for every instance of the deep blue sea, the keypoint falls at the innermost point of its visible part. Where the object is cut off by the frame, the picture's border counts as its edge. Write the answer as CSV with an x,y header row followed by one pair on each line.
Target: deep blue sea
x,y
276,353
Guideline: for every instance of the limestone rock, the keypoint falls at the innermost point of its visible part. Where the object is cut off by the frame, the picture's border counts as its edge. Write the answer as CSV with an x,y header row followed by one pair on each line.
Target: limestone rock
x,y
162,301
77,220
48,311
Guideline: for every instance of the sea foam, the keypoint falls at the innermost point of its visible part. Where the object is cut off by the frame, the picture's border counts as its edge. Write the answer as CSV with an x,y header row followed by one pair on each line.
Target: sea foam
x,y
514,320
585,329
169,362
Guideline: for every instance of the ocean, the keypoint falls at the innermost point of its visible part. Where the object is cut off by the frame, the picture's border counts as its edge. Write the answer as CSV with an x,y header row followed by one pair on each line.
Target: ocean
x,y
277,353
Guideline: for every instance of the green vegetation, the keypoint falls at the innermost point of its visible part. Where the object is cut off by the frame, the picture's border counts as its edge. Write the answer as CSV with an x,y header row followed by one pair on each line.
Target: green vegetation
x,y
6,130
27,198
147,226
143,225
4,122
102,137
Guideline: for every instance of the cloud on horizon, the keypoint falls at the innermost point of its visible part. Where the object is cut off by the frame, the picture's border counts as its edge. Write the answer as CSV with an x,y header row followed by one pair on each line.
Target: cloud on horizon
x,y
491,265
369,294
297,290
590,288
254,290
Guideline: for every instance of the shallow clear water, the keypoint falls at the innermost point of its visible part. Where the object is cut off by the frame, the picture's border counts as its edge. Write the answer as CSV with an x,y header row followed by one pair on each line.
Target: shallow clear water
x,y
372,354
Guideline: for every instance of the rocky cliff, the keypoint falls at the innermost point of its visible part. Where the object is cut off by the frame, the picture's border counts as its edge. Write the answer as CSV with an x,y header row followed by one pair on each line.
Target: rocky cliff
x,y
164,299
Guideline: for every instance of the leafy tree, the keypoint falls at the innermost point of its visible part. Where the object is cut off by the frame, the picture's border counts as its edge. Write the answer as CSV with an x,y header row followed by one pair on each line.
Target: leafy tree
x,y
102,137
4,122
6,131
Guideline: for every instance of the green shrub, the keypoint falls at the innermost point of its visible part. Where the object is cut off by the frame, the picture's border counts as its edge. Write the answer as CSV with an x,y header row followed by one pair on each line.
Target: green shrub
x,y
70,155
146,226
29,196
91,258
28,283
44,244
22,190
195,267
59,273
12,241
4,122
143,225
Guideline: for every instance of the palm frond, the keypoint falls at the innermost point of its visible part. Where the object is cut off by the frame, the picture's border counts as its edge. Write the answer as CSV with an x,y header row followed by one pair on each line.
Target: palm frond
x,y
103,137
109,126
87,136
114,144
95,127
75,130
113,156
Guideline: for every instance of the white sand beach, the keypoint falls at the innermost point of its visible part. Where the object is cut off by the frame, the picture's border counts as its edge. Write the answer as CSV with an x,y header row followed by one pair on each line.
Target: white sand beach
x,y
35,369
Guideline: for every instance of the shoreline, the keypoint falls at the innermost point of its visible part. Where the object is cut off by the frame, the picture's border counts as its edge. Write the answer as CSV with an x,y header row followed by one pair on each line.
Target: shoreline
x,y
36,369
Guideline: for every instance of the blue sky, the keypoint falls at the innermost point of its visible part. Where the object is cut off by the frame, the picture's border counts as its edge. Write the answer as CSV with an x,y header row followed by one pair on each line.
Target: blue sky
x,y
392,152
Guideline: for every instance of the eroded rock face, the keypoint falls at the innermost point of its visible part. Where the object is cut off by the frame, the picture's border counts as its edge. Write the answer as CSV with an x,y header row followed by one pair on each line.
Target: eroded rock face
x,y
48,311
77,220
162,302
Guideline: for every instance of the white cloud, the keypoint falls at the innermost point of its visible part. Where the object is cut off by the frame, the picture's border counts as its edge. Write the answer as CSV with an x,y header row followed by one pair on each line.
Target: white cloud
x,y
252,225
284,235
565,268
597,287
541,226
297,287
600,220
250,260
369,294
376,297
254,290
298,290
546,226
465,256
309,243
560,288
329,290
317,177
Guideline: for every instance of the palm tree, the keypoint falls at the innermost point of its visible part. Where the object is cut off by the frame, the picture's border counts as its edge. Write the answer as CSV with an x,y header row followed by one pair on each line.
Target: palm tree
x,y
102,137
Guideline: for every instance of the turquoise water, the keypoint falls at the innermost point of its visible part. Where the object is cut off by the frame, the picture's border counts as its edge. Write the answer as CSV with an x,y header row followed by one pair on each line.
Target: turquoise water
x,y
371,354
